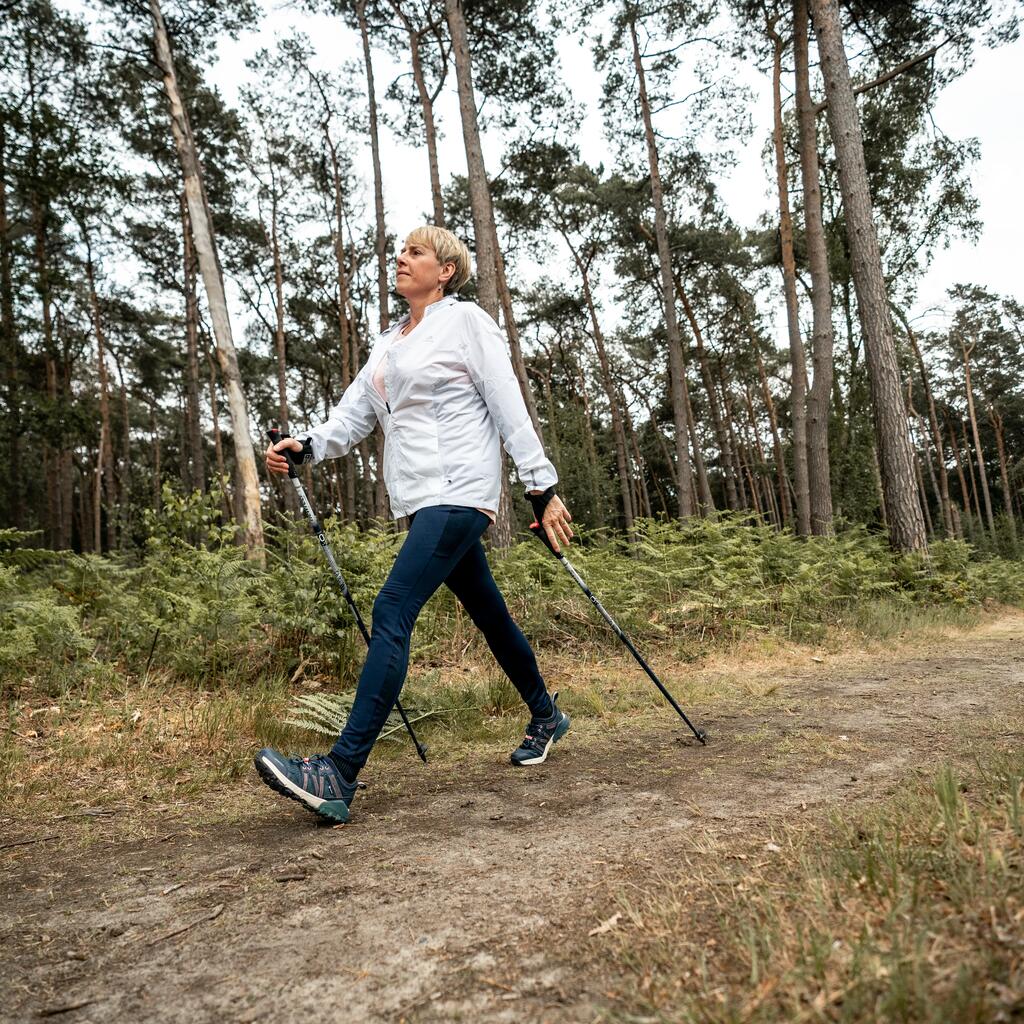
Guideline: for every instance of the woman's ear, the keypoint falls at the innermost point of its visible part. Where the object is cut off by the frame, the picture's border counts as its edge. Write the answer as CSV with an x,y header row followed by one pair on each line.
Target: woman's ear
x,y
447,273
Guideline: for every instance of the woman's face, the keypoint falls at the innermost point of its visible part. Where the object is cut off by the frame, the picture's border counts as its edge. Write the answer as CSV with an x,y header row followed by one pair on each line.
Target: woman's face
x,y
418,273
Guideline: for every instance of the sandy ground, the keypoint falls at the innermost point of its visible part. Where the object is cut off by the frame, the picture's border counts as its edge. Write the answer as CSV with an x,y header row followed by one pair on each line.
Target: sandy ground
x,y
466,893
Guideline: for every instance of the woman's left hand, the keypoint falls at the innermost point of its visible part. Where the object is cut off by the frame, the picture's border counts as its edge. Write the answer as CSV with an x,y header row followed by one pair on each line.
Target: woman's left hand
x,y
556,523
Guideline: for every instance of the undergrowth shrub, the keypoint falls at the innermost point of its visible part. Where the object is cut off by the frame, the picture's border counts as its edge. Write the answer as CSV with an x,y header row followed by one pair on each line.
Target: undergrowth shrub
x,y
197,610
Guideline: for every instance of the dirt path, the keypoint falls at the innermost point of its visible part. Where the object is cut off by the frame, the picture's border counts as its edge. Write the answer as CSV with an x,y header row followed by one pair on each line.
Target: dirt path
x,y
467,893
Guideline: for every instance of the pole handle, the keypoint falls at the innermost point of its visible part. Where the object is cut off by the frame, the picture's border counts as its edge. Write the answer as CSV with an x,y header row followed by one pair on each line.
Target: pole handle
x,y
275,435
542,535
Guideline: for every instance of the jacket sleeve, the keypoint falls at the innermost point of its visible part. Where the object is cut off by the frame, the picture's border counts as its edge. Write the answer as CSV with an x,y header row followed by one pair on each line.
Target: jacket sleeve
x,y
490,368
350,421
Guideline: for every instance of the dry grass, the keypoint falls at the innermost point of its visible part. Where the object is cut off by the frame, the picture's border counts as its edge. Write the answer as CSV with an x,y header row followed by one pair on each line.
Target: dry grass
x,y
114,738
909,911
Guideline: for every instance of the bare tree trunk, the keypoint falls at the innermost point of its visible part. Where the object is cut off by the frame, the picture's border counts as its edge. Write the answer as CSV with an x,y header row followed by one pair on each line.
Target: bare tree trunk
x,y
105,482
798,366
687,500
965,496
936,431
279,335
997,426
975,491
903,510
195,432
209,266
721,436
591,453
427,106
982,474
380,239
218,444
780,458
479,191
707,502
618,431
818,469
9,345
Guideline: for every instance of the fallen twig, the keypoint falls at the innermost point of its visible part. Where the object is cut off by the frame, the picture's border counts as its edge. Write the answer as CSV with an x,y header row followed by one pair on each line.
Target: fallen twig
x,y
53,1011
216,912
28,842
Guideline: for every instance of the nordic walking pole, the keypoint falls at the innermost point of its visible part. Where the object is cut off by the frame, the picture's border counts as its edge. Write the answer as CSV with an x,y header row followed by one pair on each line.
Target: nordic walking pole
x,y
318,531
538,531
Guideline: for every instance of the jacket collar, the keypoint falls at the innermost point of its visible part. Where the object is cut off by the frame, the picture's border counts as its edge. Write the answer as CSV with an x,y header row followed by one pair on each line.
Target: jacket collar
x,y
443,303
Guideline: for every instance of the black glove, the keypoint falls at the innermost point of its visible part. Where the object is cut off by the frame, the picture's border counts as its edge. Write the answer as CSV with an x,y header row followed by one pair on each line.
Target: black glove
x,y
540,502
306,455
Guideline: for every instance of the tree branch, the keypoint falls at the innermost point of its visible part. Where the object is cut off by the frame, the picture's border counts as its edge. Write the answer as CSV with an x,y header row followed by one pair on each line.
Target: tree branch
x,y
906,65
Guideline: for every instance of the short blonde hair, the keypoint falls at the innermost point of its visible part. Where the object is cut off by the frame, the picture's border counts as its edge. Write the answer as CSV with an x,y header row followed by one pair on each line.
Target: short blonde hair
x,y
448,248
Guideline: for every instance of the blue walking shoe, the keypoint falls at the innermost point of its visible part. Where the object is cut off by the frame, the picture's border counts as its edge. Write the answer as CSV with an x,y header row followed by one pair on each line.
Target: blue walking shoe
x,y
541,733
314,781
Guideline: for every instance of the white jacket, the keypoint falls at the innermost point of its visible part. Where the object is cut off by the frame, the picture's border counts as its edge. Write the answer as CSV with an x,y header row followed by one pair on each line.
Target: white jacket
x,y
451,392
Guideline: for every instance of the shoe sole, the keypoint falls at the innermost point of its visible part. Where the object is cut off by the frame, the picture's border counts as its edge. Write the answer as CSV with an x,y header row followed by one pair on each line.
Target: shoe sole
x,y
563,728
334,810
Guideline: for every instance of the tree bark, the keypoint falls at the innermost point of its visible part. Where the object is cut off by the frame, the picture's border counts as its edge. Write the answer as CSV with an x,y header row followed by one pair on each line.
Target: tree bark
x,y
818,470
936,431
427,106
721,435
618,431
997,426
780,460
964,494
380,238
687,500
966,350
210,269
195,430
9,345
903,510
798,365
479,190
104,482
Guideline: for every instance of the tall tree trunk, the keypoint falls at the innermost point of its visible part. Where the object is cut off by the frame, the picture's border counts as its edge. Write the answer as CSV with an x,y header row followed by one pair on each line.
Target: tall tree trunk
x,y
780,458
280,351
618,431
479,190
105,482
346,320
218,444
982,473
591,452
903,510
687,498
936,431
9,346
195,429
427,106
818,471
209,266
707,502
721,435
975,490
997,426
380,238
798,365
964,494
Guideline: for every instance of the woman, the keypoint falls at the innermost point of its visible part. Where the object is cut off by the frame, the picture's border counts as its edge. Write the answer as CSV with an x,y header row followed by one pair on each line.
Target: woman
x,y
441,384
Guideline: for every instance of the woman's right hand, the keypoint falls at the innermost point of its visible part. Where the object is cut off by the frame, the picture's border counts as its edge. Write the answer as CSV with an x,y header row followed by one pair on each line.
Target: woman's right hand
x,y
278,463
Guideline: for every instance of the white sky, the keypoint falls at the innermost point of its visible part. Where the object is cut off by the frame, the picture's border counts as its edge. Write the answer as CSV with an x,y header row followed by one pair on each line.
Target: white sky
x,y
982,103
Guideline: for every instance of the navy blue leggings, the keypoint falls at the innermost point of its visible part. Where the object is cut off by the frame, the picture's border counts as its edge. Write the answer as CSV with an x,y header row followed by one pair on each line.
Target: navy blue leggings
x,y
442,546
